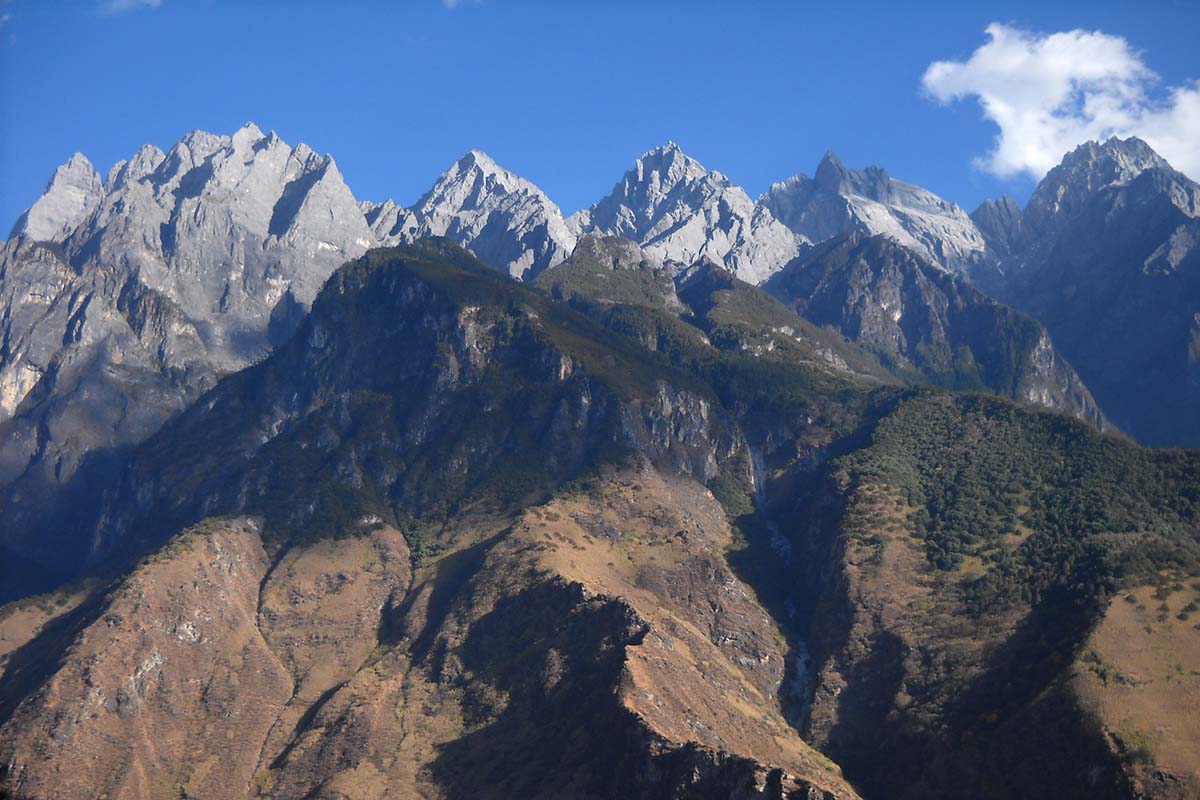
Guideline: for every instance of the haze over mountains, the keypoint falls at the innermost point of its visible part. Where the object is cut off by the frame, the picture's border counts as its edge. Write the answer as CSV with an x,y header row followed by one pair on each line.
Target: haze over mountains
x,y
721,480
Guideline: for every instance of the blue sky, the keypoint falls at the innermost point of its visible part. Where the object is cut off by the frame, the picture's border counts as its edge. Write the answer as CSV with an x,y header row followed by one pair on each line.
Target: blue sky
x,y
566,94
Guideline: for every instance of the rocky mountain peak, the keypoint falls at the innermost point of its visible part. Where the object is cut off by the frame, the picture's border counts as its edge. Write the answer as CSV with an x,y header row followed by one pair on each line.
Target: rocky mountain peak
x,y
668,165
71,195
389,221
872,182
502,218
1115,159
680,212
468,183
840,199
1086,170
246,137
201,144
145,161
830,161
1004,204
830,171
475,158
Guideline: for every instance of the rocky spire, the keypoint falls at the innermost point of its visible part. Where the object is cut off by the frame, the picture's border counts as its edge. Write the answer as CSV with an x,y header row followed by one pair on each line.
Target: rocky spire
x,y
71,195
502,218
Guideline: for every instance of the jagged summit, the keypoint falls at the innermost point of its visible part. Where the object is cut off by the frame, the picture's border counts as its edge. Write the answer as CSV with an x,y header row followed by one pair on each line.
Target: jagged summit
x,y
504,219
475,172
179,267
71,194
1004,202
830,170
681,212
477,158
247,134
668,148
1083,172
143,163
839,199
831,158
1105,257
872,182
1129,155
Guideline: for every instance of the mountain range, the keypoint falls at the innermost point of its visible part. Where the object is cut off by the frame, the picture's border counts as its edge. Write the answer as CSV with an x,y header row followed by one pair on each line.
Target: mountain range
x,y
832,494
127,297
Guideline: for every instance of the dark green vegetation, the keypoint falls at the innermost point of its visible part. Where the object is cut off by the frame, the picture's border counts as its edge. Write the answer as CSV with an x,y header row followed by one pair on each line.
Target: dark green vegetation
x,y
994,537
1024,522
949,552
766,365
977,470
422,385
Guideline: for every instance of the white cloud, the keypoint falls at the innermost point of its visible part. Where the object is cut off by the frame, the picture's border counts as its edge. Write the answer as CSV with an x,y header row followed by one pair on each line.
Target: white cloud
x,y
1048,94
457,3
121,6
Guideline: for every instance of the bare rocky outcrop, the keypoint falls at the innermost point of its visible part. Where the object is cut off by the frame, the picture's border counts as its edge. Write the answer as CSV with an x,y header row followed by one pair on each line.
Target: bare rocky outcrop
x,y
72,194
925,323
1001,223
680,212
555,655
503,219
839,200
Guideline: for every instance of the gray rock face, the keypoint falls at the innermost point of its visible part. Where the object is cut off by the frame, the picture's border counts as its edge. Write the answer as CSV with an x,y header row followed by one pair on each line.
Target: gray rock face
x,y
503,219
1109,260
927,323
681,212
124,300
1001,224
72,194
1083,172
839,200
390,222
